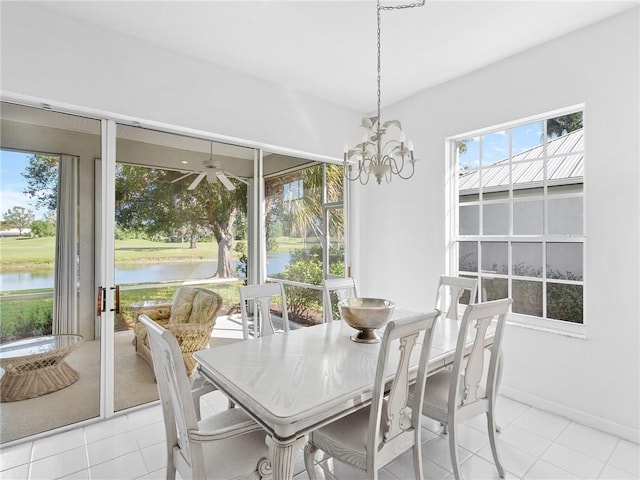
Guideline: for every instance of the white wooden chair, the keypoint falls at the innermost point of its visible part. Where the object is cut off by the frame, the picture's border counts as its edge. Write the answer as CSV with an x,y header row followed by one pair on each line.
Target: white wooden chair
x,y
370,438
450,291
260,298
469,388
228,444
340,288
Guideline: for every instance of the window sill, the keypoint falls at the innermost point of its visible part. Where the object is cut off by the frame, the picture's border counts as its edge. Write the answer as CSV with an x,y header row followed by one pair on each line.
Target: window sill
x,y
557,327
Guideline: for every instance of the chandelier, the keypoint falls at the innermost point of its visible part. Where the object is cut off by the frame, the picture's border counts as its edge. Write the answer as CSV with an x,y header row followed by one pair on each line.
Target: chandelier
x,y
378,155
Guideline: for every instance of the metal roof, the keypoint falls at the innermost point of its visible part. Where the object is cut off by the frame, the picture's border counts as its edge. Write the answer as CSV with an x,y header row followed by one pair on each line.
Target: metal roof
x,y
565,164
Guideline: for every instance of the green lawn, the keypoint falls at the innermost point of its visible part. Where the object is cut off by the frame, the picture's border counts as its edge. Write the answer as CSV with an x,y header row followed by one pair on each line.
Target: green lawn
x,y
38,253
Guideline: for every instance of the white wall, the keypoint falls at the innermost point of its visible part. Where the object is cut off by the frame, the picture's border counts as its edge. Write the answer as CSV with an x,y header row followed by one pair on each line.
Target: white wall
x,y
59,59
596,380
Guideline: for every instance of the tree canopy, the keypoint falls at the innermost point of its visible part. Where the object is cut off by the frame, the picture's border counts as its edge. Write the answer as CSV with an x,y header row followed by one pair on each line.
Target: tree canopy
x,y
18,217
146,200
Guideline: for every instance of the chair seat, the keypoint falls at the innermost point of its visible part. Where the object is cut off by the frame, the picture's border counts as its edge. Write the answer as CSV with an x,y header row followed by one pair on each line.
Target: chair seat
x,y
238,455
436,395
348,435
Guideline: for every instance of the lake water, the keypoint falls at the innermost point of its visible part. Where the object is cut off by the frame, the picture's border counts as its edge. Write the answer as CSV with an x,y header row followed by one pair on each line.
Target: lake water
x,y
132,274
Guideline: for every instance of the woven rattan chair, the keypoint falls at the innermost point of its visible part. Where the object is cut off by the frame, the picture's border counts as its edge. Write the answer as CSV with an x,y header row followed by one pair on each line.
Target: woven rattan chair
x,y
190,319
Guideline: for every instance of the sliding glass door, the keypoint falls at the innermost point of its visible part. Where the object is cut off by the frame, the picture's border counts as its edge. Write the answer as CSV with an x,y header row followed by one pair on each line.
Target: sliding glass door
x,y
102,220
179,220
47,309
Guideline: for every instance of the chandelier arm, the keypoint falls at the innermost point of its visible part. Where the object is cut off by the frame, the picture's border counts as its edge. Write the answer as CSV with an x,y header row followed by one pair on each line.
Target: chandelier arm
x,y
413,170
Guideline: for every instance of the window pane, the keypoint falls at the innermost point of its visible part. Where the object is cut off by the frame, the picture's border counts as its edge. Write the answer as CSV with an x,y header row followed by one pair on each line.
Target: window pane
x,y
494,288
527,259
469,220
527,192
468,256
563,124
468,154
527,298
336,242
499,195
564,261
495,220
527,174
495,257
526,141
561,169
570,188
565,216
564,302
527,218
495,179
294,210
469,198
335,179
495,147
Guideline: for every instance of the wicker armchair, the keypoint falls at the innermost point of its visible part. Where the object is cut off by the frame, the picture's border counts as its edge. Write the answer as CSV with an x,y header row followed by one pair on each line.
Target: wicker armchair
x,y
190,318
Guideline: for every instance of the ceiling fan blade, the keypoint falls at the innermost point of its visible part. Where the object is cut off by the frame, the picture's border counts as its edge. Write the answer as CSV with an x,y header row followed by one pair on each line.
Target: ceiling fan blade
x,y
183,176
225,181
197,181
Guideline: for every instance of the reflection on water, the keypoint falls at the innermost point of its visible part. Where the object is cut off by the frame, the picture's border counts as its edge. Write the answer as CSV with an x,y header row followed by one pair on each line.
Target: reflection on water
x,y
26,280
133,274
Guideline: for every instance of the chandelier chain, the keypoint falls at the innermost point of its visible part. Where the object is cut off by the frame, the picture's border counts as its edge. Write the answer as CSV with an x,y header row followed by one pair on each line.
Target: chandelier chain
x,y
399,7
376,157
379,9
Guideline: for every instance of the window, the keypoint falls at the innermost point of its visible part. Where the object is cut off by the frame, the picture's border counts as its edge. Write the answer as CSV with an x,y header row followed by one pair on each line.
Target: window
x,y
519,217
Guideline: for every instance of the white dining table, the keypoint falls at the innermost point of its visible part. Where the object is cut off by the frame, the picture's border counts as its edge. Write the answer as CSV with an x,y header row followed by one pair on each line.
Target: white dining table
x,y
294,382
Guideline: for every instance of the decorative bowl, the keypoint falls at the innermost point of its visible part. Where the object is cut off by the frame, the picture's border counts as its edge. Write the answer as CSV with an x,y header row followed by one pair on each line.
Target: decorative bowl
x,y
365,315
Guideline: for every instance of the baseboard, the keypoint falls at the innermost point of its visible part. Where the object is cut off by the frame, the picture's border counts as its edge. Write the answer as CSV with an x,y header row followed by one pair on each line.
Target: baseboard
x,y
599,423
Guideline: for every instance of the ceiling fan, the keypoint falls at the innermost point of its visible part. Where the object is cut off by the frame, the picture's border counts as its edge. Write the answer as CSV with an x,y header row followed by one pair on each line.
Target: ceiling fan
x,y
212,171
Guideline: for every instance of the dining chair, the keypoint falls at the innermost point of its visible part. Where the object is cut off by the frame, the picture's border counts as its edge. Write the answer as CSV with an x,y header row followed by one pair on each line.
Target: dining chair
x,y
451,291
255,308
228,444
341,288
371,437
469,388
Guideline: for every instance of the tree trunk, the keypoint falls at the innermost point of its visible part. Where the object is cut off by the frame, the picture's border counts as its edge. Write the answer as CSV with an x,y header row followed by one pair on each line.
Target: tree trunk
x,y
225,240
225,267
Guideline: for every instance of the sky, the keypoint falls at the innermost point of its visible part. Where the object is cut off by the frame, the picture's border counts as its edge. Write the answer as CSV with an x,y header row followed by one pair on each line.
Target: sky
x,y
495,146
12,183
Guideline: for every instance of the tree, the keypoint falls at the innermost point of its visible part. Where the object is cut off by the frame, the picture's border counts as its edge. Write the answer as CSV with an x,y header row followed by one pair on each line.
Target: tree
x,y
147,200
43,228
18,217
558,126
42,180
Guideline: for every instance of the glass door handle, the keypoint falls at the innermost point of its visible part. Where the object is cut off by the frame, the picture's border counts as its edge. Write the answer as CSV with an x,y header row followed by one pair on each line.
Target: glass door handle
x,y
117,299
102,301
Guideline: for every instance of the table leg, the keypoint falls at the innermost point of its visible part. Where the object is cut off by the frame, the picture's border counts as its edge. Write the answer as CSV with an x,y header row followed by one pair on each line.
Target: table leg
x,y
283,456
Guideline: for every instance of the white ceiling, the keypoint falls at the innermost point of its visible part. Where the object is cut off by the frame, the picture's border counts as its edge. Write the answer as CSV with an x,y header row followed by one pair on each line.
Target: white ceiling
x,y
328,48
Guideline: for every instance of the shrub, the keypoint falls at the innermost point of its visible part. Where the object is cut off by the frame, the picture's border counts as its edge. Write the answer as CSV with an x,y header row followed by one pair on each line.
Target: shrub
x,y
25,318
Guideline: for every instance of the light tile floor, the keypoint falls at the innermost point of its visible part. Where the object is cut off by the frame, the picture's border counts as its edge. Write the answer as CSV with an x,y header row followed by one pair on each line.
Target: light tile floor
x,y
533,445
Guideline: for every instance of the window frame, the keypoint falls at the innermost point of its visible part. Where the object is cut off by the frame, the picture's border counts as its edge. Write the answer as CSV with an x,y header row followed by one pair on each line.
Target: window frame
x,y
453,204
